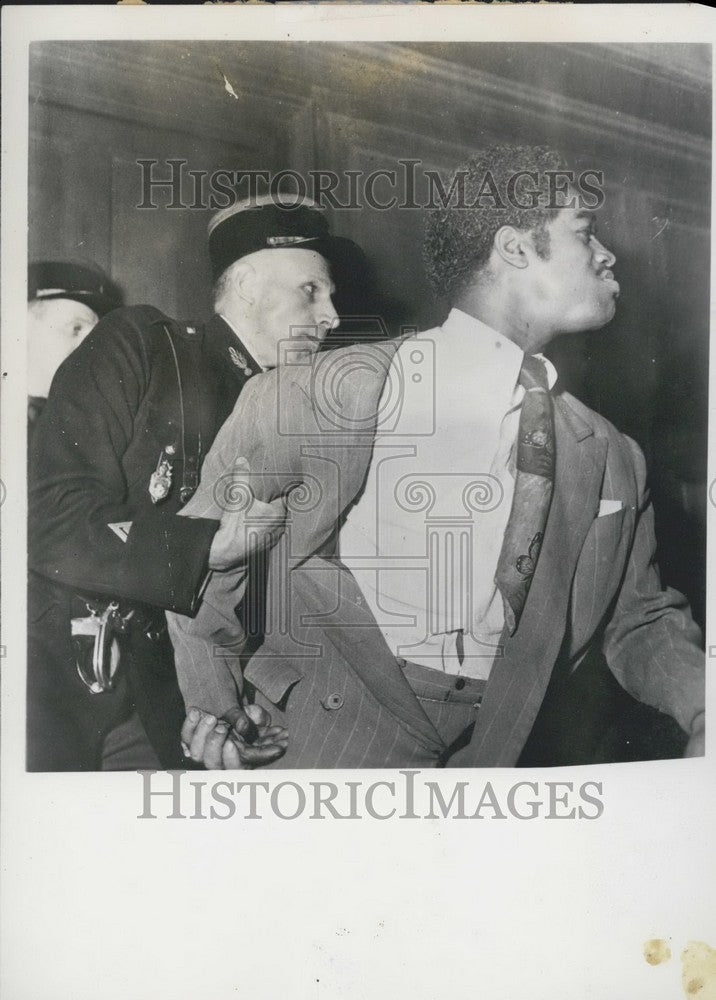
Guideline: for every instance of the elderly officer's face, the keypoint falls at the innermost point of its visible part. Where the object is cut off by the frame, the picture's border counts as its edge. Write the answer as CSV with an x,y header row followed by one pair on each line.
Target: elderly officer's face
x,y
573,287
293,302
55,328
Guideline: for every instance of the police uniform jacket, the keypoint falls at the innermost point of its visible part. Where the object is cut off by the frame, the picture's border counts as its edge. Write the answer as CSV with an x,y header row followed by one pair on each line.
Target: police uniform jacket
x,y
140,387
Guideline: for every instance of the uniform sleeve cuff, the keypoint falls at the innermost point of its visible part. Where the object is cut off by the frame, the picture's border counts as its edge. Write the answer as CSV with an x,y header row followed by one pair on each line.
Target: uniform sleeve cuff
x,y
167,560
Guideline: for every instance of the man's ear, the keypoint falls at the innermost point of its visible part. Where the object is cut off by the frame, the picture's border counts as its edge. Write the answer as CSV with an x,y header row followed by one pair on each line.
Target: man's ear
x,y
513,246
244,281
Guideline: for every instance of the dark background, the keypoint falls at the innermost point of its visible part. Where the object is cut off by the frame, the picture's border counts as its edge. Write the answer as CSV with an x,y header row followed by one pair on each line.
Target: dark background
x,y
641,113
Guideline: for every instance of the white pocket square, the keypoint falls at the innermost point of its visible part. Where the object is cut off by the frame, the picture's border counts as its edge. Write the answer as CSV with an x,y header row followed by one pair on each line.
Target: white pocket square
x,y
609,507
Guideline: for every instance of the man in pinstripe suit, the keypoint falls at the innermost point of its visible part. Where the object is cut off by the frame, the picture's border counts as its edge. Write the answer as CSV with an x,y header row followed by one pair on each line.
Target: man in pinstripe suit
x,y
390,641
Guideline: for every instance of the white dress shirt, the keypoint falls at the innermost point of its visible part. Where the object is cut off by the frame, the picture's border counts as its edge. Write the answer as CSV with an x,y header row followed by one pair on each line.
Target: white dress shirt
x,y
424,537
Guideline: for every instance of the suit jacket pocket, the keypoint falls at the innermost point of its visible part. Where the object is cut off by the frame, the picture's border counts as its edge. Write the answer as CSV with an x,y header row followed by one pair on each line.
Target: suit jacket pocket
x,y
273,675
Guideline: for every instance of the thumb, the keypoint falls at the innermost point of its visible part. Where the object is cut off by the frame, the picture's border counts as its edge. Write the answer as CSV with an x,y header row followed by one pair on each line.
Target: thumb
x,y
239,721
241,464
258,715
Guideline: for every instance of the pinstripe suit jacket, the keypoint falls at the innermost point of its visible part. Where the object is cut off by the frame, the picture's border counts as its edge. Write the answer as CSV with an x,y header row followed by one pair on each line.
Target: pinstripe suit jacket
x,y
325,669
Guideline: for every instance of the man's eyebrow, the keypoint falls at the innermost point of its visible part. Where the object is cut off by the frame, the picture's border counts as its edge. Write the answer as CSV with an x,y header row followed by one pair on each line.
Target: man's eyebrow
x,y
585,213
319,279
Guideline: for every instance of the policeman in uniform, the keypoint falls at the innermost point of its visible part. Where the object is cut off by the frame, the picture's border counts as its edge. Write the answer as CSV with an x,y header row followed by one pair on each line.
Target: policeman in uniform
x,y
117,452
64,303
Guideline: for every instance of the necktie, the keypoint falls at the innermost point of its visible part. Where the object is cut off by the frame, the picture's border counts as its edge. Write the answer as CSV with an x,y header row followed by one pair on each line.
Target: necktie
x,y
534,481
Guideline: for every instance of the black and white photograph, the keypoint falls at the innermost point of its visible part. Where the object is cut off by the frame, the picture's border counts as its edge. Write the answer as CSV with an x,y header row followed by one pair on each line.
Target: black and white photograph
x,y
365,414
365,570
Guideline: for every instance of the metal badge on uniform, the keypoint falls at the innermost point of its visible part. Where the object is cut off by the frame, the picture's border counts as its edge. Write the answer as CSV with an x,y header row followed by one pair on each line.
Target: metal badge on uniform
x,y
160,481
240,360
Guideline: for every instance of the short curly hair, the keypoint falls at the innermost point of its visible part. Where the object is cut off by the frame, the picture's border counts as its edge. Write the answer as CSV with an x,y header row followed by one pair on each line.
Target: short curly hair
x,y
459,238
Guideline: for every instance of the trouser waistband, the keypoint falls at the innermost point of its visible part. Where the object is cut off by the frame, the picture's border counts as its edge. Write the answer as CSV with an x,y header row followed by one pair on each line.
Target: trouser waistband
x,y
436,685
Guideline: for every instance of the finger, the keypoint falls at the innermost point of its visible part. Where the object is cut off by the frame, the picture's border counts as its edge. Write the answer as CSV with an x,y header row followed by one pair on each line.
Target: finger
x,y
213,747
190,723
279,737
196,744
268,532
255,756
278,506
266,538
272,731
251,755
269,510
271,741
274,536
244,726
230,757
269,515
258,715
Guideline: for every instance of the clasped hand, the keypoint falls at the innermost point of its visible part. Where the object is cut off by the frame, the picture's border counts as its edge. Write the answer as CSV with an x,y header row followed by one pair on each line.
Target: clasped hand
x,y
242,739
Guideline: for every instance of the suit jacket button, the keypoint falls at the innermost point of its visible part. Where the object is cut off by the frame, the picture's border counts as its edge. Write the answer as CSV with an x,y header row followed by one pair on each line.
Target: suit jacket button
x,y
333,702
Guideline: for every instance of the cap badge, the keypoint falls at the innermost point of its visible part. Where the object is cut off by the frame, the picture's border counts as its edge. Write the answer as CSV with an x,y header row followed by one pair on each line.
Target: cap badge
x,y
283,241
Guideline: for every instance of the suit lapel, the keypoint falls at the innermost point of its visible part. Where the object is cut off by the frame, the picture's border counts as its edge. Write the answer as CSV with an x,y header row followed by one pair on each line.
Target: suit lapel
x,y
520,676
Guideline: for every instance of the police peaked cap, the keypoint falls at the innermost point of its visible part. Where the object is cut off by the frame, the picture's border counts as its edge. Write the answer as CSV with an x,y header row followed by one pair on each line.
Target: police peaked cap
x,y
269,223
48,280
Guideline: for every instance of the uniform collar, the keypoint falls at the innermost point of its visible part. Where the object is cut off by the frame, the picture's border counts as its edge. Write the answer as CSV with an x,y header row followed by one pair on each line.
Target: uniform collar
x,y
243,339
226,344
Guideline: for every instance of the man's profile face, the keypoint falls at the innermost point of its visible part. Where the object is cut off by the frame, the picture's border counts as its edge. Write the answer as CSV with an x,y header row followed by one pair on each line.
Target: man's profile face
x,y
293,301
55,328
573,284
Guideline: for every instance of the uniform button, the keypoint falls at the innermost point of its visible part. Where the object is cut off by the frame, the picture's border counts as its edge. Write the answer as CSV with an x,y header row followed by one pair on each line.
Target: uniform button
x,y
333,701
460,683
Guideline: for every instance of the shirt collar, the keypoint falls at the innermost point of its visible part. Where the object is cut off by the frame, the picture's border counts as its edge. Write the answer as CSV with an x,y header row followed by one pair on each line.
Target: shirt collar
x,y
492,354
